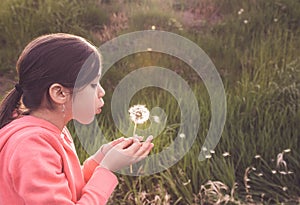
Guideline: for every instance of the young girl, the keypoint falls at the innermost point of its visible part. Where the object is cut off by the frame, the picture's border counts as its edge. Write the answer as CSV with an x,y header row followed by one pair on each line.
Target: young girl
x,y
38,160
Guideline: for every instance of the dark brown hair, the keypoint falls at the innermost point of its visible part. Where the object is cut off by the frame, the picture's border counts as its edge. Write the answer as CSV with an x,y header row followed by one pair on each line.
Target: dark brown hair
x,y
53,58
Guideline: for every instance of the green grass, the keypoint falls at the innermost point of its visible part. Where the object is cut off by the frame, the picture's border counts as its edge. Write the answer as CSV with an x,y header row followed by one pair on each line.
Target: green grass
x,y
259,64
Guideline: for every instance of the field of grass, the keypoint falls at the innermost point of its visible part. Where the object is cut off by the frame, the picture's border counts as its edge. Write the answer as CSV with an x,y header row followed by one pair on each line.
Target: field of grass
x,y
254,46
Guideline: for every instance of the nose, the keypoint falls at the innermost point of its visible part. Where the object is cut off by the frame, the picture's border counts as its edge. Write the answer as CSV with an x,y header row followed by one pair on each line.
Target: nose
x,y
101,91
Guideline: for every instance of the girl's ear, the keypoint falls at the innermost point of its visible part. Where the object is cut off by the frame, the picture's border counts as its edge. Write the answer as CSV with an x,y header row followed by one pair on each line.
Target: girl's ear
x,y
58,93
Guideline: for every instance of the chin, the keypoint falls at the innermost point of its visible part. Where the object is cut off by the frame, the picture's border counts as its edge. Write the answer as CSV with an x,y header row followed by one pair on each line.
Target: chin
x,y
86,121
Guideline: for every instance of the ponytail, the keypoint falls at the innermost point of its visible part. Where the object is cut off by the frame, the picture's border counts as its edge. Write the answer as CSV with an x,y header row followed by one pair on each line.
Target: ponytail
x,y
10,106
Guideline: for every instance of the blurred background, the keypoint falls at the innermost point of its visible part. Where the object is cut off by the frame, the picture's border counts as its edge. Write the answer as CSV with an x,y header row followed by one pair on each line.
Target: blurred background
x,y
254,45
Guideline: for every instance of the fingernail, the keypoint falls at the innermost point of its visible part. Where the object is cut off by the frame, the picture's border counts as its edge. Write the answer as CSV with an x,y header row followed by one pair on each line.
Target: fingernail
x,y
150,138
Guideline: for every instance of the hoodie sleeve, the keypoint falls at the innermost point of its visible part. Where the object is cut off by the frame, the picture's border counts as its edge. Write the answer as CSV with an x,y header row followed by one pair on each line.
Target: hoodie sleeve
x,y
38,176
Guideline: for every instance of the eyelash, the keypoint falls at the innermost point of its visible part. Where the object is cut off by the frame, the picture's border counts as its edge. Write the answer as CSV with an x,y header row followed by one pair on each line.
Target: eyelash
x,y
94,85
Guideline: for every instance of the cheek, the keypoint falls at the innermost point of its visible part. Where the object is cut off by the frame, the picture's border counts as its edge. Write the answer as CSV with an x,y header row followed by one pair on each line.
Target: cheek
x,y
83,108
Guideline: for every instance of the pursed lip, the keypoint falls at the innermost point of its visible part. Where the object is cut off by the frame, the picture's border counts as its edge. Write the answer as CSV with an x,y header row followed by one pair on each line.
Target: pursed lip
x,y
98,110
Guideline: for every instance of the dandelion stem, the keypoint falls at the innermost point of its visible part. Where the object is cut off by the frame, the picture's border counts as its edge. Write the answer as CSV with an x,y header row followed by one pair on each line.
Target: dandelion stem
x,y
134,129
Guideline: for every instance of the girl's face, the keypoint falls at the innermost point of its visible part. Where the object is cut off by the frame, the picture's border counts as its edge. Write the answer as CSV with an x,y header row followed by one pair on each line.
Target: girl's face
x,y
88,101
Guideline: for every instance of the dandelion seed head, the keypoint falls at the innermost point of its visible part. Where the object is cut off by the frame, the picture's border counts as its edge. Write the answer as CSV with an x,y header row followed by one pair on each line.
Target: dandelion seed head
x,y
139,114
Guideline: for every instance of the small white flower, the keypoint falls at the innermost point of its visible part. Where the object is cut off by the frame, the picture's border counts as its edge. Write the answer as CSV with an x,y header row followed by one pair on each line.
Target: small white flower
x,y
182,135
149,49
275,19
246,21
153,27
204,149
282,172
208,156
274,171
186,183
257,156
240,11
289,172
139,114
284,188
260,174
212,151
287,150
253,168
226,154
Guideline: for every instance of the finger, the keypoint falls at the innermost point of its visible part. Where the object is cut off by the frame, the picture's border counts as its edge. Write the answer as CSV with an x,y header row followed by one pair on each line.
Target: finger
x,y
126,143
117,141
140,138
150,138
146,152
144,148
134,148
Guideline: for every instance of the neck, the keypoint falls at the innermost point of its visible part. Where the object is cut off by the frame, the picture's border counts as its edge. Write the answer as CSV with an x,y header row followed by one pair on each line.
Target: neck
x,y
51,116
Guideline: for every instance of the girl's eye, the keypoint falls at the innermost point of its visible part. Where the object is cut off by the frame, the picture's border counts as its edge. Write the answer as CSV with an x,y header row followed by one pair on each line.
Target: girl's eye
x,y
94,85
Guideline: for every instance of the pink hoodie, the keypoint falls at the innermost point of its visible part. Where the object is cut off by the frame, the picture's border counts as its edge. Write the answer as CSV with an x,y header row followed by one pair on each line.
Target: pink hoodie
x,y
39,165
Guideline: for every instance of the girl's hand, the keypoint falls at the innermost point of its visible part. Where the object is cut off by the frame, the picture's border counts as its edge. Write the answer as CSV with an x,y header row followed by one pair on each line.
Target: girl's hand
x,y
126,153
98,156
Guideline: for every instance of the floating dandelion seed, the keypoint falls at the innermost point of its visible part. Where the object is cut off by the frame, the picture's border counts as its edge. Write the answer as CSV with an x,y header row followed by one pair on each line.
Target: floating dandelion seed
x,y
156,119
